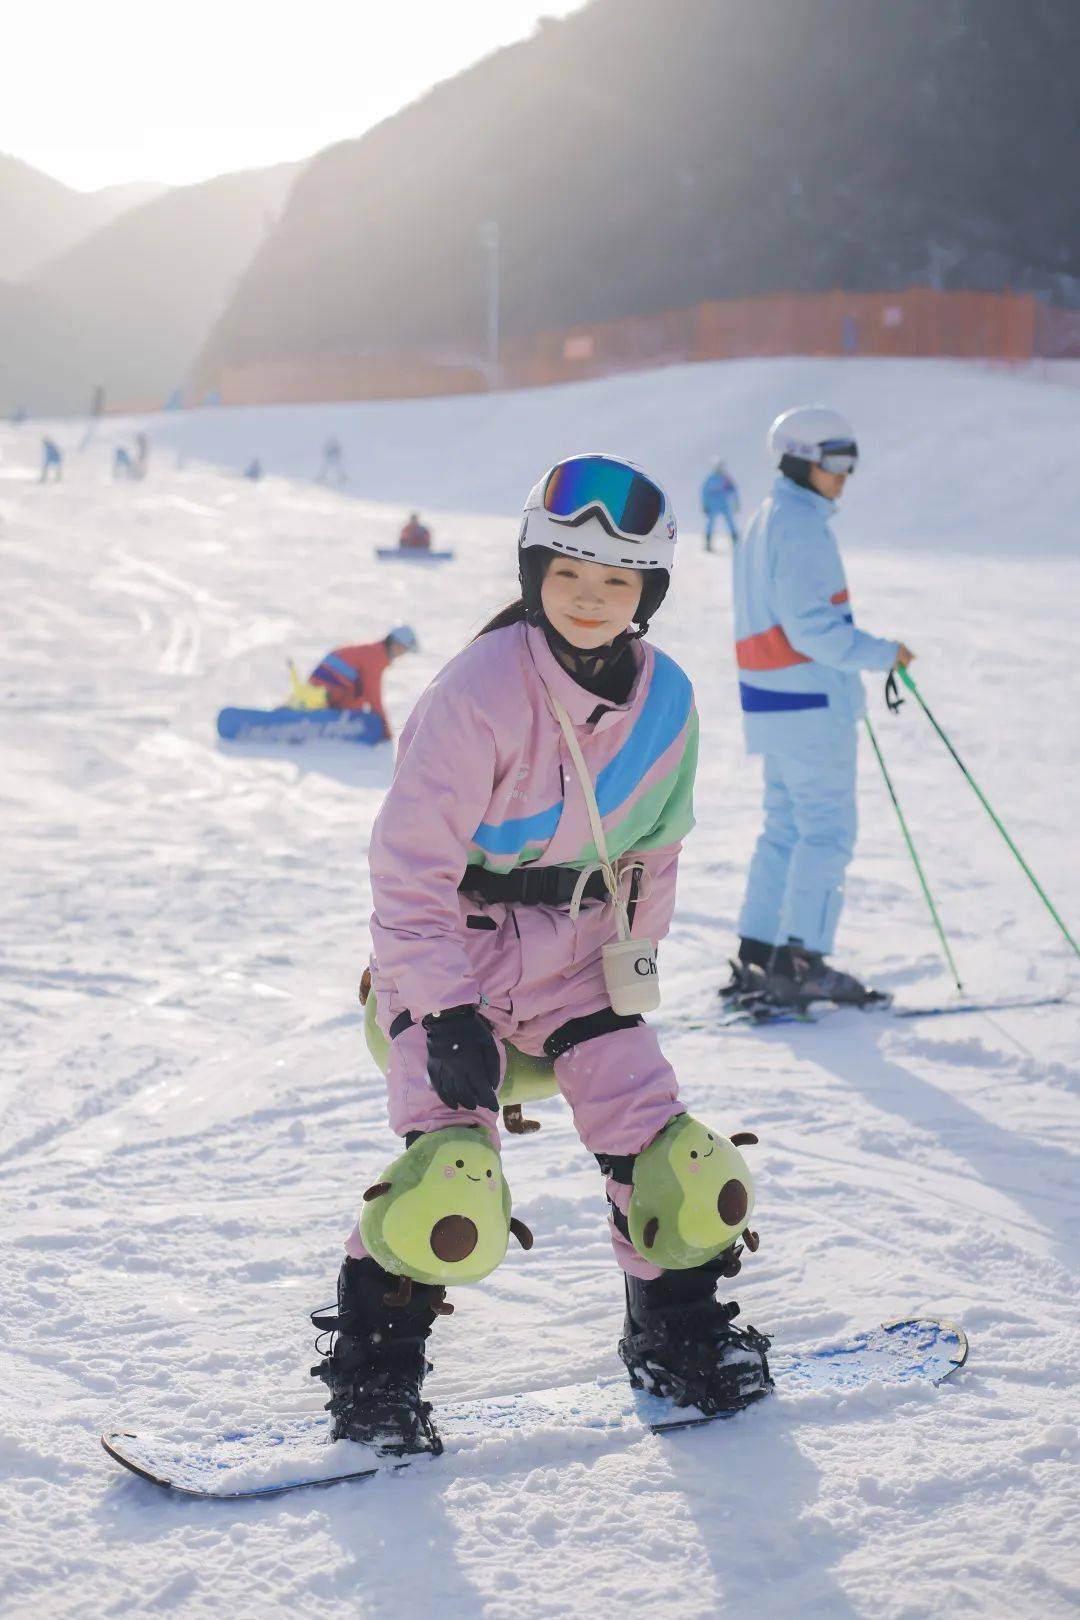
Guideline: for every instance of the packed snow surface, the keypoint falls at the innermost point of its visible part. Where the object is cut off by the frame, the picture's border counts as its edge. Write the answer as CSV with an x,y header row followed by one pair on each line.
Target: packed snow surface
x,y
189,1115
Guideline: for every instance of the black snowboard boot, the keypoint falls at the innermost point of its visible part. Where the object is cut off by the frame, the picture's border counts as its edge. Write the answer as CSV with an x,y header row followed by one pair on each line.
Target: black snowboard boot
x,y
747,980
376,1362
796,977
679,1341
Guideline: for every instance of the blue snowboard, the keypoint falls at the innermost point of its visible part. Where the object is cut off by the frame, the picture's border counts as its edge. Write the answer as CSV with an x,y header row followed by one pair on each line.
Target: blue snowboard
x,y
411,554
279,1455
300,725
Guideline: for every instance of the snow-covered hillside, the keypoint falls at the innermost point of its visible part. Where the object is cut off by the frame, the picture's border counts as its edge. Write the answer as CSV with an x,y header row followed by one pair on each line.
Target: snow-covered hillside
x,y
188,1115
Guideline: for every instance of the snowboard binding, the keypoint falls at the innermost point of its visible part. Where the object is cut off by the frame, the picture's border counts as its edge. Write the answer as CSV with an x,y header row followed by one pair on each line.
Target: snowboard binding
x,y
375,1363
679,1342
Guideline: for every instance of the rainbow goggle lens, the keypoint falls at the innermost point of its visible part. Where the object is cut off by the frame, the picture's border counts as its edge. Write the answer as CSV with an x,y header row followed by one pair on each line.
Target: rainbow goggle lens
x,y
632,504
838,455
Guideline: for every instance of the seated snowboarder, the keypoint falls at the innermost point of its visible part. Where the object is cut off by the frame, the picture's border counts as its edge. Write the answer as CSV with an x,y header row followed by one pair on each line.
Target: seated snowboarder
x,y
415,536
351,677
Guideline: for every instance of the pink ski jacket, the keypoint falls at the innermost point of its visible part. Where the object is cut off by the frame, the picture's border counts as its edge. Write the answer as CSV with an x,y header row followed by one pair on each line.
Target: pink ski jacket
x,y
484,778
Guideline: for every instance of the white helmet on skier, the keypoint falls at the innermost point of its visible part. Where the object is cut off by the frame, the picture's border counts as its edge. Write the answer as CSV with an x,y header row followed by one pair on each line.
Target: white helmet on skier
x,y
817,434
602,509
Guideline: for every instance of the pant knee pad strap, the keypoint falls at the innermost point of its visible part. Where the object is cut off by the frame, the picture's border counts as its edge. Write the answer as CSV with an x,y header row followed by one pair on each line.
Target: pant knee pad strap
x,y
577,1030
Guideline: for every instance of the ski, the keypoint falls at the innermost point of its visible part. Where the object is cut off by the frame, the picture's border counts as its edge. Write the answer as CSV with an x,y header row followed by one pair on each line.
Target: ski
x,y
948,1009
762,1015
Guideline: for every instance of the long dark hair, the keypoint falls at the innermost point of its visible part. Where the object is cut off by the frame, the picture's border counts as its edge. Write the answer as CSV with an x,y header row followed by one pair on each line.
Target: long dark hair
x,y
512,613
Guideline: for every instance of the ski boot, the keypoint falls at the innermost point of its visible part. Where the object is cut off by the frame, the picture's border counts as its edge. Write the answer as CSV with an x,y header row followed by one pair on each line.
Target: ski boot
x,y
376,1362
678,1342
796,977
747,982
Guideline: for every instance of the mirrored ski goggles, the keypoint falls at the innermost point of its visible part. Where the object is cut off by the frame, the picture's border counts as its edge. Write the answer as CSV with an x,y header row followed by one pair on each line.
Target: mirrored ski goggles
x,y
838,455
633,504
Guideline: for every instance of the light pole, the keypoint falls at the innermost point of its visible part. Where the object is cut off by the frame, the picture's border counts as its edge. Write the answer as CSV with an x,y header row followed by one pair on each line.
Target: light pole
x,y
489,237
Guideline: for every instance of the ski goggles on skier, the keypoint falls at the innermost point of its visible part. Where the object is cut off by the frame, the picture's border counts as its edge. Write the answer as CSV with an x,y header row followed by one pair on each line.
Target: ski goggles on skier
x,y
838,455
632,503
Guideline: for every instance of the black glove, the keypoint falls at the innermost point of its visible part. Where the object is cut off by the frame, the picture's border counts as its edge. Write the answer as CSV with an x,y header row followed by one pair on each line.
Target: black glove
x,y
463,1058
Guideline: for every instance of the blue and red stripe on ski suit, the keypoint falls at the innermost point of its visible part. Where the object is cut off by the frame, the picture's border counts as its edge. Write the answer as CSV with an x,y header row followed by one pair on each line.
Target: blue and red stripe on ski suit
x,y
799,654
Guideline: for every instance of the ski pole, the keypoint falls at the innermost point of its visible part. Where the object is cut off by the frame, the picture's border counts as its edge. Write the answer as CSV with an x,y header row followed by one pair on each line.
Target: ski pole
x,y
909,682
909,841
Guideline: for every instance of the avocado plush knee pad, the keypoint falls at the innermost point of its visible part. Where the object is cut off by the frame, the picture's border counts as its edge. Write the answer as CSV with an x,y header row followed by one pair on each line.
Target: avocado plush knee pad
x,y
441,1212
692,1195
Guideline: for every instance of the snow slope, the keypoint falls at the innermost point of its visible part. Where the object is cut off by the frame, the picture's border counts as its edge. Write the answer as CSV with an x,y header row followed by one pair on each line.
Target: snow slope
x,y
188,1116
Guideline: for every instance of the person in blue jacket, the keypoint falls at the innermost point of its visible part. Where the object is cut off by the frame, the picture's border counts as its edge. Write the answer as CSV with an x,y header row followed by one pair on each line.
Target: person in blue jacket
x,y
799,656
720,499
52,462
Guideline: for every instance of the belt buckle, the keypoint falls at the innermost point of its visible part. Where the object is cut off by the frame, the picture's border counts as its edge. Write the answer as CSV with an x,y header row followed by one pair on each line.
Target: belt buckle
x,y
531,879
541,886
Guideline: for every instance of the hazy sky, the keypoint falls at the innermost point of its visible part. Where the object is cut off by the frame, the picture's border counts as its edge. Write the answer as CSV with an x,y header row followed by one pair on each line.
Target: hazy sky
x,y
179,91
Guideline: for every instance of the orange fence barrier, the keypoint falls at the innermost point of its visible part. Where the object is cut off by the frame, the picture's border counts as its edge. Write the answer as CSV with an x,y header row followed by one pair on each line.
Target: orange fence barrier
x,y
1059,333
919,321
1010,327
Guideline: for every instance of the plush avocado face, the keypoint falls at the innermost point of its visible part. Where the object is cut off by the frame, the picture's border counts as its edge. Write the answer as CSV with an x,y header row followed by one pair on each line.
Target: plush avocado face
x,y
693,1194
441,1213
717,1194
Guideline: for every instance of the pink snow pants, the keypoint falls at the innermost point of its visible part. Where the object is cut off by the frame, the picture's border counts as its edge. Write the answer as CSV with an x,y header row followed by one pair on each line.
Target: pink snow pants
x,y
621,1089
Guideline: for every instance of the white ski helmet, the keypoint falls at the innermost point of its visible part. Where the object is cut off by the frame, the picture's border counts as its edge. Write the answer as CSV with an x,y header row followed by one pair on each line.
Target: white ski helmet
x,y
603,509
817,434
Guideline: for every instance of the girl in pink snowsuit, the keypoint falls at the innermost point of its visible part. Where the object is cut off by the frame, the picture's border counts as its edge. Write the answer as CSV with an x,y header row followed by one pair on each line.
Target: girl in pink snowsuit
x,y
491,916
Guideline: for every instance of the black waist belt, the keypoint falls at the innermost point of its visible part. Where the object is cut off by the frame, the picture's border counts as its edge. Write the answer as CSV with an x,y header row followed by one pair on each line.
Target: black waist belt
x,y
531,885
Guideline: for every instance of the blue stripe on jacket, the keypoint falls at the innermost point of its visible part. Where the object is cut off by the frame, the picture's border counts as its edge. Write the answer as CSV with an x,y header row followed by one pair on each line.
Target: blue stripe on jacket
x,y
333,668
756,700
663,715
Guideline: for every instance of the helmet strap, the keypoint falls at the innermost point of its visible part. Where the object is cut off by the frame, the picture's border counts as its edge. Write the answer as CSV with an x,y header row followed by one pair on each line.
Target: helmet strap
x,y
798,470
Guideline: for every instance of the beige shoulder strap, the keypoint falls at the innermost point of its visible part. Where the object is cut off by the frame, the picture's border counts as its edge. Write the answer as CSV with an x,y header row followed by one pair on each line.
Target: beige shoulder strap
x,y
610,878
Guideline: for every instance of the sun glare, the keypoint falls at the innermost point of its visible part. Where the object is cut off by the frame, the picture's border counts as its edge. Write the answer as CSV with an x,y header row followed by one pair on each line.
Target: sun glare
x,y
115,93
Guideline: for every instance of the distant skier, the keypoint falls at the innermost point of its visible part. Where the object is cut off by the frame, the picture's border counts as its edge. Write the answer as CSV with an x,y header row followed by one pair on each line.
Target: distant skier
x,y
415,536
52,462
141,465
493,921
123,466
351,677
253,470
720,499
799,655
332,470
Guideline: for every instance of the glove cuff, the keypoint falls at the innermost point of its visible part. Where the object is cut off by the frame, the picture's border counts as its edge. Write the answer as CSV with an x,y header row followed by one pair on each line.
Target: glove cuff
x,y
464,1011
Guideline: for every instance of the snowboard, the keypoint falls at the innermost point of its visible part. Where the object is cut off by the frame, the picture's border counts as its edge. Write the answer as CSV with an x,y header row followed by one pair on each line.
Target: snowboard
x,y
762,1015
404,554
300,725
272,1456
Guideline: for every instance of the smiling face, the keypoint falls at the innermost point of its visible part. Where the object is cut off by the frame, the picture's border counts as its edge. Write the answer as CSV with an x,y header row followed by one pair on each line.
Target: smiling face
x,y
692,1195
441,1214
589,603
